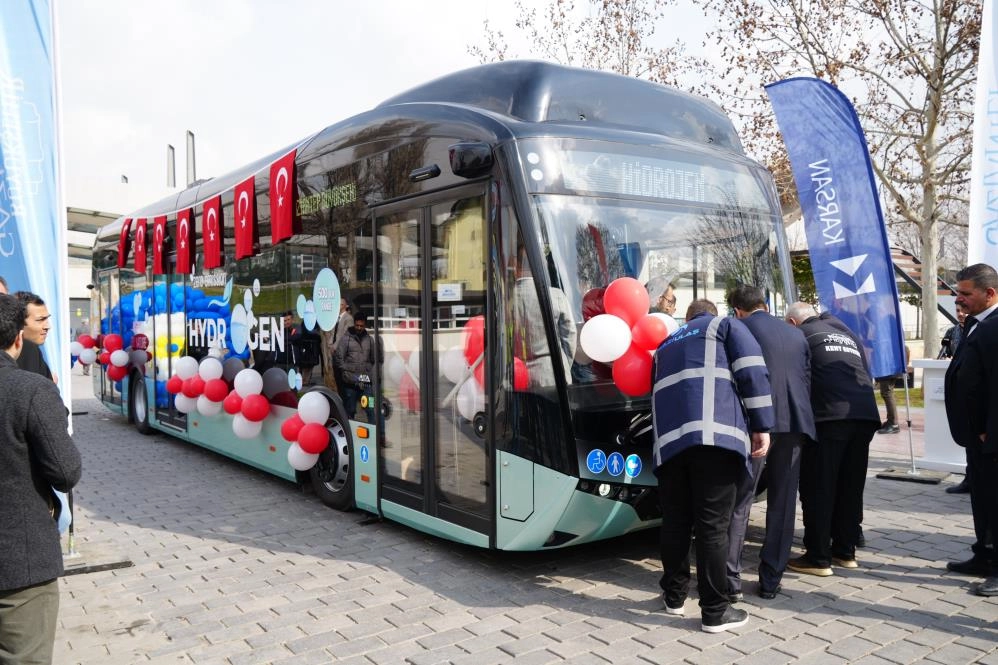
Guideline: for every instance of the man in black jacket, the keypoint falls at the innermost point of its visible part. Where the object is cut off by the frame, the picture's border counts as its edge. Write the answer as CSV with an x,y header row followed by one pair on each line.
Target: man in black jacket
x,y
37,323
36,454
788,360
969,394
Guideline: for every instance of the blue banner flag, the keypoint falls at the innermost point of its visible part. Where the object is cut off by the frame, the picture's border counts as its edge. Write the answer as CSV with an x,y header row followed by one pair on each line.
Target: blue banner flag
x,y
845,229
32,219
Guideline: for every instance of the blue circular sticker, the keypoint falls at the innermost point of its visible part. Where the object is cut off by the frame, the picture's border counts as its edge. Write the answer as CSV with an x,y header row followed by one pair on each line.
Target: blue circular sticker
x,y
632,466
615,464
326,299
596,461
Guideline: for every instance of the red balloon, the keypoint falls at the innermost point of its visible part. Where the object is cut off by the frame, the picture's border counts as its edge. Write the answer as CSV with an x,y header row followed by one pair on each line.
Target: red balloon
x,y
140,342
521,377
632,372
232,404
116,373
313,438
474,338
409,392
626,298
86,340
649,332
216,390
592,303
113,342
291,427
174,385
255,408
104,357
193,387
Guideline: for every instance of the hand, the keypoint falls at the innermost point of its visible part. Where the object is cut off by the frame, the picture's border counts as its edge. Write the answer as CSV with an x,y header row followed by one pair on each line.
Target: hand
x,y
760,444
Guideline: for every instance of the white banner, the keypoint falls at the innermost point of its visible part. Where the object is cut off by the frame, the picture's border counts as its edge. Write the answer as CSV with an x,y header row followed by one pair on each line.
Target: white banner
x,y
982,242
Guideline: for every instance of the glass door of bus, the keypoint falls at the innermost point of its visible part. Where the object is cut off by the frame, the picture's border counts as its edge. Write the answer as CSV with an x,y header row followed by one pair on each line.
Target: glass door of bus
x,y
430,306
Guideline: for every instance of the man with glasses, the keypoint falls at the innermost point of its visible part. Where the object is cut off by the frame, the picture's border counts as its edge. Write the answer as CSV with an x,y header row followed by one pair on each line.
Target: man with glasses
x,y
666,301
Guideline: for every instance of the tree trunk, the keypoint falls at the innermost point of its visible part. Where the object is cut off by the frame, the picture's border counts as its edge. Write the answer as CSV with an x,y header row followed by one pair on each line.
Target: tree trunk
x,y
930,271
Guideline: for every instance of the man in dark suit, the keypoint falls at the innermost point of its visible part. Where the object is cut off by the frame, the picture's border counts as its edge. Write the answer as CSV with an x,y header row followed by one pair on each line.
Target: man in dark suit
x,y
788,360
36,454
970,394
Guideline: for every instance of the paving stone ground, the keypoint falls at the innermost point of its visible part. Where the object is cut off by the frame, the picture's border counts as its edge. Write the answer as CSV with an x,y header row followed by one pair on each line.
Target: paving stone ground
x,y
233,566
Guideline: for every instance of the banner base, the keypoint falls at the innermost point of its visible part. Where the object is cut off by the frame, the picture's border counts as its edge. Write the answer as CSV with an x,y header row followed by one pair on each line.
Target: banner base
x,y
914,476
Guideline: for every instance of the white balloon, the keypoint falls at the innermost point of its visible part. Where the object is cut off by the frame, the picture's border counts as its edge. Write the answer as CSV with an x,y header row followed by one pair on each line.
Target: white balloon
x,y
453,365
248,382
186,367
299,459
88,356
75,349
413,365
245,429
210,368
605,337
670,323
275,380
231,367
208,408
470,399
184,403
119,358
313,408
394,368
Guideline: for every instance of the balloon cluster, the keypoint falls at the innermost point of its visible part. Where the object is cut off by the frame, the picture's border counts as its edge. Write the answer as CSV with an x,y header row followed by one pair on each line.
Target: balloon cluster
x,y
84,348
306,430
113,357
619,330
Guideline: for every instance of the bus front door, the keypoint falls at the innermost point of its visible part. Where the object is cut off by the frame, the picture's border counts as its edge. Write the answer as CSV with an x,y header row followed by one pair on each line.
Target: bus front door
x,y
430,308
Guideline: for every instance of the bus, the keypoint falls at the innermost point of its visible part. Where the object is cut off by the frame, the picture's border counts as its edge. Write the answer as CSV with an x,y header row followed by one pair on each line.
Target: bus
x,y
473,219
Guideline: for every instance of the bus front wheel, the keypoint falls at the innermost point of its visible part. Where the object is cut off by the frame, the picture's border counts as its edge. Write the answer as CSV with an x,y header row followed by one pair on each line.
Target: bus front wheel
x,y
138,403
332,475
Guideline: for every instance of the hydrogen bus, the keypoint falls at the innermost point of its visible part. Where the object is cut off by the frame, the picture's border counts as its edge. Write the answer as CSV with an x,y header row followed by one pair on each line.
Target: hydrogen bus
x,y
472,218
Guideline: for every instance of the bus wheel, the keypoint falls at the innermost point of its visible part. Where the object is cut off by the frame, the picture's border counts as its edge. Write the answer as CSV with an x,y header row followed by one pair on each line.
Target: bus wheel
x,y
332,475
138,403
480,424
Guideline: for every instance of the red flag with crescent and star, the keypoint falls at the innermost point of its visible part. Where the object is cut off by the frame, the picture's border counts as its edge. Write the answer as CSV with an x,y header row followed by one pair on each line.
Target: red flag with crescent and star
x,y
140,245
124,242
283,191
184,242
158,234
211,232
244,207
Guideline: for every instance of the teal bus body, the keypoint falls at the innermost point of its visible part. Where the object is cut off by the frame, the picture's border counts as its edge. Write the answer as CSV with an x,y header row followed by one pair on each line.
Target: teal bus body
x,y
475,221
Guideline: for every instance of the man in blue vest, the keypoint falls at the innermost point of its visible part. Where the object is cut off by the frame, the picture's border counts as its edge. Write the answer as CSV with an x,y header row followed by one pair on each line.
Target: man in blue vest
x,y
711,409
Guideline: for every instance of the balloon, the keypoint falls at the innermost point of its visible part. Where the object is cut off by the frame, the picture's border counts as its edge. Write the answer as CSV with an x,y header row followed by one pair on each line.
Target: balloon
x,y
470,400
207,407
670,323
231,367
299,459
248,382
453,365
233,403
521,377
627,298
75,349
313,438
117,372
113,342
314,408
632,372
185,404
255,408
409,393
480,374
174,385
592,303
413,364
119,358
138,357
88,356
605,337
291,426
474,338
140,342
394,369
245,429
86,340
193,387
216,390
105,358
649,332
210,368
186,367
275,380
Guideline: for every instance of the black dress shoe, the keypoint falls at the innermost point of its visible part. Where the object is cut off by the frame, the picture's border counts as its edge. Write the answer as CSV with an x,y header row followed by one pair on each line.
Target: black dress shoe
x,y
960,488
973,566
769,594
988,587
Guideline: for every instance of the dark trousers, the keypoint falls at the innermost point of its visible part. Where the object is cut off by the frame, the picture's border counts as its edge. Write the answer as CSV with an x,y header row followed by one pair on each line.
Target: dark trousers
x,y
696,489
887,393
27,624
832,479
982,473
782,466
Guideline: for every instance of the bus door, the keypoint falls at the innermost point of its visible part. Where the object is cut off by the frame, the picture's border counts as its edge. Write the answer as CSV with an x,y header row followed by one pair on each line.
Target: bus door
x,y
169,340
430,308
109,322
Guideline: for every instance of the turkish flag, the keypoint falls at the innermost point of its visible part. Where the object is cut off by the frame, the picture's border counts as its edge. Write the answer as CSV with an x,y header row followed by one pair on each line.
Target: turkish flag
x,y
140,245
244,204
158,234
283,192
184,240
211,232
124,242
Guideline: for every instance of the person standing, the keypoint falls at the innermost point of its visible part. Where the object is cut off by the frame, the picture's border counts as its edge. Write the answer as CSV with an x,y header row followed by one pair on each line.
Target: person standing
x,y
711,390
37,323
947,349
788,360
356,357
343,324
966,378
833,471
36,454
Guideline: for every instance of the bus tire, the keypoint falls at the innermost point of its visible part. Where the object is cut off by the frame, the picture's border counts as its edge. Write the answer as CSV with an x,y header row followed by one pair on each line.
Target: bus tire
x,y
332,475
138,403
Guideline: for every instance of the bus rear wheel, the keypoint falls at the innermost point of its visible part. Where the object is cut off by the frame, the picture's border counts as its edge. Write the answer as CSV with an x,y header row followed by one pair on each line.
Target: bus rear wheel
x,y
138,403
332,475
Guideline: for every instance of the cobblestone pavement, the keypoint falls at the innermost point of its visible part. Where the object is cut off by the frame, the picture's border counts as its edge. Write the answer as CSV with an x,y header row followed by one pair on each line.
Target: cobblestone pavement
x,y
234,566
